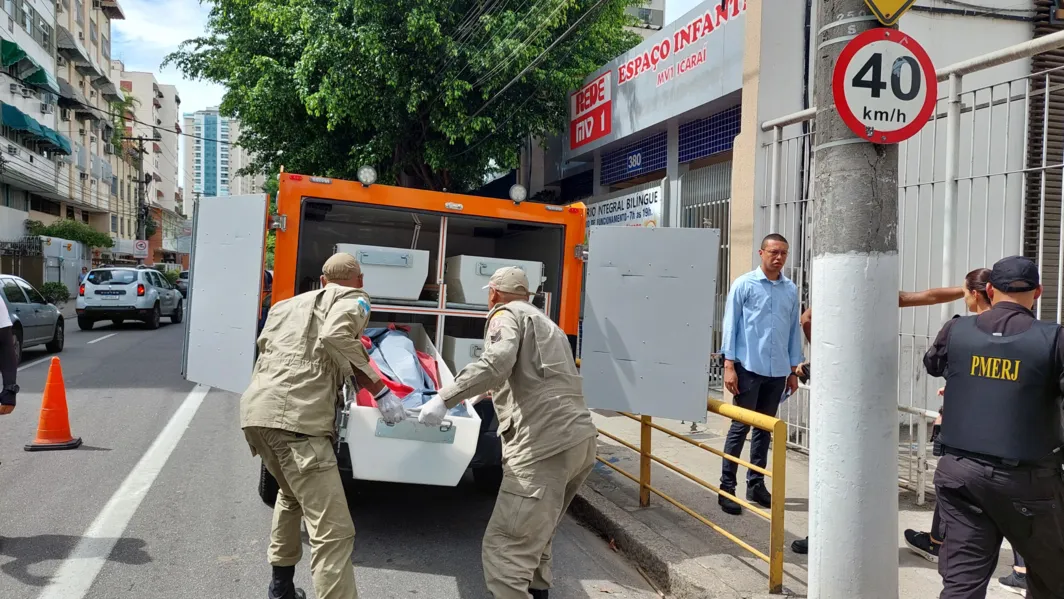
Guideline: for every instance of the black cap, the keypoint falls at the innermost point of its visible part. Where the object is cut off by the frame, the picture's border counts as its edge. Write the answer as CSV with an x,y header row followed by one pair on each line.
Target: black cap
x,y
1014,274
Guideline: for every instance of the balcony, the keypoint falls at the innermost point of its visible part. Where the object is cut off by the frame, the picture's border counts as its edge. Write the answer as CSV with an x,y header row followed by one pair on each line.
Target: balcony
x,y
70,46
156,102
112,9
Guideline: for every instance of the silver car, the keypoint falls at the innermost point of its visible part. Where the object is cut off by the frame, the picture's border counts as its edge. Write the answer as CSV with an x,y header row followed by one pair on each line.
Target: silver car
x,y
121,294
36,321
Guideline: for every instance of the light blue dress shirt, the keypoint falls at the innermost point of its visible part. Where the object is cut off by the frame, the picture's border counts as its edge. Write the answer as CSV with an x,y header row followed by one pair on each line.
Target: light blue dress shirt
x,y
761,329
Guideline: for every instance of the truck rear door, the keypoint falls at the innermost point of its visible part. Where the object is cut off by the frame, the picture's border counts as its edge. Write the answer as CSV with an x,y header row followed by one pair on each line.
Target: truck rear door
x,y
228,245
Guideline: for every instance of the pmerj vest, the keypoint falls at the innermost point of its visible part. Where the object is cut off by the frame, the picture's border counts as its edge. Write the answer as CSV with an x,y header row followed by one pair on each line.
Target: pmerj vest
x,y
1002,394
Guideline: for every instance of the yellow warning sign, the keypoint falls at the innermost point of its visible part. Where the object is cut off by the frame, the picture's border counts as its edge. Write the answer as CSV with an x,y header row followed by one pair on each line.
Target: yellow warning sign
x,y
889,11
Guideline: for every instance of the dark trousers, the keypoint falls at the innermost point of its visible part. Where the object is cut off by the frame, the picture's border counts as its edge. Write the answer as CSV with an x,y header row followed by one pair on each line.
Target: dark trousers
x,y
980,504
761,394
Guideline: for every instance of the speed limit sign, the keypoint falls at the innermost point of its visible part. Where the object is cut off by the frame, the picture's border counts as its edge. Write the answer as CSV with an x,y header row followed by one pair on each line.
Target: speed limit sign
x,y
884,86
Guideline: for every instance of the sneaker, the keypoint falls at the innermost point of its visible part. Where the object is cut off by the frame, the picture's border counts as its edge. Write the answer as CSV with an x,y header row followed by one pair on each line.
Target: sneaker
x,y
1014,583
801,546
727,505
920,543
759,495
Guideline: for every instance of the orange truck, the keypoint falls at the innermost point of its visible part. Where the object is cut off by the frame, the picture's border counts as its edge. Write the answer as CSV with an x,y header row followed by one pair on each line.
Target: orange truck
x,y
426,257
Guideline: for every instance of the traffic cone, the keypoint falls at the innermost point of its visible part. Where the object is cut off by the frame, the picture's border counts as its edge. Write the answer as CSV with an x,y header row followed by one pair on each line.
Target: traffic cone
x,y
53,430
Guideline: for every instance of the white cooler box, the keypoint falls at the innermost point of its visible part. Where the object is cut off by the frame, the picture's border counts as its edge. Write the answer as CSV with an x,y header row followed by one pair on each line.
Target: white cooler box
x,y
458,351
466,277
409,452
392,273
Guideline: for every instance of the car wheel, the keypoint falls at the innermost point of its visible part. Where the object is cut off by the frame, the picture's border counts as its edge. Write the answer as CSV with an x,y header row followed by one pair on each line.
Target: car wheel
x,y
268,486
179,313
488,478
85,323
18,345
58,338
153,320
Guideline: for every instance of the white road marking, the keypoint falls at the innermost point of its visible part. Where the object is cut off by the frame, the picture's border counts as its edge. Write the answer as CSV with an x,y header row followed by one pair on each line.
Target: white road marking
x,y
99,339
34,363
77,573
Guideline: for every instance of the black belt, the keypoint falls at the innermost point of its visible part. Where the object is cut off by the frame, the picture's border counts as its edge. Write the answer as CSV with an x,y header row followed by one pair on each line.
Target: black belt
x,y
1051,461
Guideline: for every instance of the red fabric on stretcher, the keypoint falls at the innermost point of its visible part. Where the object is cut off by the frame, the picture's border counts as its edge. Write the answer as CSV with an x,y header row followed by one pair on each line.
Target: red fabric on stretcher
x,y
365,399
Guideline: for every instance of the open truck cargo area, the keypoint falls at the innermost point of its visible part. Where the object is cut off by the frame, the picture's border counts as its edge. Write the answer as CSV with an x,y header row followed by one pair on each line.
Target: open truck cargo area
x,y
426,257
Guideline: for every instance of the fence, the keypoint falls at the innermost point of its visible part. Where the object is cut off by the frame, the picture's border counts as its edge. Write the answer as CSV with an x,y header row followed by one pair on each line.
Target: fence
x,y
976,184
777,427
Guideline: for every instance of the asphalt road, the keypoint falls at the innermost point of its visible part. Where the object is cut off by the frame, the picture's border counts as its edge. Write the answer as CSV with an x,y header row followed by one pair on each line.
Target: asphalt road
x,y
148,510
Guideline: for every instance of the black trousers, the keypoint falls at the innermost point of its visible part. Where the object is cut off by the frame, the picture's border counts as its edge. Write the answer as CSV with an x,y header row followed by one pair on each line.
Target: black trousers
x,y
761,394
980,504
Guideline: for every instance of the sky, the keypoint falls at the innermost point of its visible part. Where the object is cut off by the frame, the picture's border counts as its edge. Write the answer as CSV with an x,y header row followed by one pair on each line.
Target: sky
x,y
151,30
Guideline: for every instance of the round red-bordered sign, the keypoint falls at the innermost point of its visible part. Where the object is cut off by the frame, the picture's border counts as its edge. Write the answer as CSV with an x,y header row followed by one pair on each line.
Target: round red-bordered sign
x,y
884,86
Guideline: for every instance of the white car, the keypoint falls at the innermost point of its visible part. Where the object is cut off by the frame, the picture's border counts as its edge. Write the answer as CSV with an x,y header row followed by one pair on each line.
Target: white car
x,y
120,294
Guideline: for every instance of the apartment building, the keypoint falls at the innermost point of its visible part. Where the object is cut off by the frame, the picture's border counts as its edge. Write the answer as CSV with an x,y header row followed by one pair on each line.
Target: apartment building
x,y
213,158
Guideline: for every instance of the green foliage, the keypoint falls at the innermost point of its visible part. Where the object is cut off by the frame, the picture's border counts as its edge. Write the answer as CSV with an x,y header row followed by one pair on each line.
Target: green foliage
x,y
72,230
325,86
55,292
118,112
150,227
171,275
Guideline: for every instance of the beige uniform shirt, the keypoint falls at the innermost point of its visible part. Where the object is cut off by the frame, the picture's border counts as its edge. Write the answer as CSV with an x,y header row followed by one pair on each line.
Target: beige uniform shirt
x,y
310,345
538,395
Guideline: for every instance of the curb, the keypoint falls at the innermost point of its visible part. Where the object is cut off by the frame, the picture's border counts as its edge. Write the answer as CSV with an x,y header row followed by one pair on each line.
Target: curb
x,y
667,567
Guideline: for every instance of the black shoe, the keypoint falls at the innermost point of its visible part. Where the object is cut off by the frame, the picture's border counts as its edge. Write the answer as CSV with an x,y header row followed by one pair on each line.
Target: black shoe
x,y
1014,583
294,594
920,543
729,506
539,594
801,546
759,495
281,587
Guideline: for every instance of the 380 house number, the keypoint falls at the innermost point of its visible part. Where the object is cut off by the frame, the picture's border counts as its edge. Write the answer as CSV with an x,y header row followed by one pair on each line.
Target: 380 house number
x,y
884,86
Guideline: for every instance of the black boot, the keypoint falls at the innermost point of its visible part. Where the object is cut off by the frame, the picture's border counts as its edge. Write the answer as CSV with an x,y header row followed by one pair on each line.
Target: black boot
x,y
539,594
283,586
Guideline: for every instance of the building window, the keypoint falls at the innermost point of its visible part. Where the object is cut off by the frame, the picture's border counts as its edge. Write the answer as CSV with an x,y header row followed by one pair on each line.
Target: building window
x,y
114,223
92,32
70,212
79,12
105,47
28,17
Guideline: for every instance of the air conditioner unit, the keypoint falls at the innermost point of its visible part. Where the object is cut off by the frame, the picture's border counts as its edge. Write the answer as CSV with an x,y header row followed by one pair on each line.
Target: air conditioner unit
x,y
97,4
92,93
16,89
81,132
58,7
108,148
12,149
27,92
83,176
47,108
92,139
64,114
81,36
60,61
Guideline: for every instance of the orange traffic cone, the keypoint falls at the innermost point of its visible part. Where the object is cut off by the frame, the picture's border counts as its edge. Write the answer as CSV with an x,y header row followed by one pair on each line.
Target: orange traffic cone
x,y
53,430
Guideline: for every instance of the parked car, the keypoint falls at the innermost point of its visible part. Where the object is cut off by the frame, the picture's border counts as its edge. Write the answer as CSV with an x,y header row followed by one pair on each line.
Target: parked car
x,y
182,283
121,294
36,322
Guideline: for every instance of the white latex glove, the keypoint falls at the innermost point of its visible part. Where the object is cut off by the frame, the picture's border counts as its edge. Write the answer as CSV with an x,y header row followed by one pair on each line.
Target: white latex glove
x,y
391,407
432,412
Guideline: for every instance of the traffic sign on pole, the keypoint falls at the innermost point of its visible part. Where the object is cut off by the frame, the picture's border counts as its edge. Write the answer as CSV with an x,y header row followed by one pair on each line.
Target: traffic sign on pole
x,y
884,86
140,249
889,11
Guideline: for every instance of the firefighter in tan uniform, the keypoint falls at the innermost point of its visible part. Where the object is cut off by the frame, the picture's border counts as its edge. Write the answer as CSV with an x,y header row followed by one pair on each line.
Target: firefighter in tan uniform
x,y
548,438
311,344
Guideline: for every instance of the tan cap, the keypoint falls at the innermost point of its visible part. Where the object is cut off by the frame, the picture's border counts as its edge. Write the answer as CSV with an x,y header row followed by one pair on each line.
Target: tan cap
x,y
509,279
341,267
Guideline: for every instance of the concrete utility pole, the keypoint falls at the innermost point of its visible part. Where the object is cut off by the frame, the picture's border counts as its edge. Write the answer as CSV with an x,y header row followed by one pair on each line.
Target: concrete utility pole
x,y
853,524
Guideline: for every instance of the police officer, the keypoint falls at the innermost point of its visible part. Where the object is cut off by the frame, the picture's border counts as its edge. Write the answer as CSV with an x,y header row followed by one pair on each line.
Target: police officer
x,y
1000,475
310,345
548,438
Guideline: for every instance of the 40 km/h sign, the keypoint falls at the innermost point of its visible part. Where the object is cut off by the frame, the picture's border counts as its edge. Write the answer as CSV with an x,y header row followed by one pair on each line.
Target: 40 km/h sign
x,y
884,86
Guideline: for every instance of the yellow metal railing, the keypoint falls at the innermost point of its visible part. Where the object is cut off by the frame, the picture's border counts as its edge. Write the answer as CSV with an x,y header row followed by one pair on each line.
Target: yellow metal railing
x,y
774,516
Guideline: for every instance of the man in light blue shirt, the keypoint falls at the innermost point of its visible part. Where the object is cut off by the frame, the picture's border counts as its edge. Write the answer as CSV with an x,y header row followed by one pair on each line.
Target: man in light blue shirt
x,y
762,347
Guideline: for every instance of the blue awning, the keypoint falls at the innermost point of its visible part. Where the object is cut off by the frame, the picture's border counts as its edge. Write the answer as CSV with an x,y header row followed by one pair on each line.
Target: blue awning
x,y
19,121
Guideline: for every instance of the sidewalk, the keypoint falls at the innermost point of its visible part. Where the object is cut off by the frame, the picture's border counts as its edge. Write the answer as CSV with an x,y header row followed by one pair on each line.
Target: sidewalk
x,y
686,558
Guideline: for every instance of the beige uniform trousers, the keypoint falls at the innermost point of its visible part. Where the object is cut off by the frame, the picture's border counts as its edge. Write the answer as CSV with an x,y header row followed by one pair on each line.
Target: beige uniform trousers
x,y
532,501
310,490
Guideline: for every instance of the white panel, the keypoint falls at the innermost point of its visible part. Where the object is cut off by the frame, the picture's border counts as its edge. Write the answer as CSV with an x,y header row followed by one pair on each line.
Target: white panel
x,y
228,238
648,320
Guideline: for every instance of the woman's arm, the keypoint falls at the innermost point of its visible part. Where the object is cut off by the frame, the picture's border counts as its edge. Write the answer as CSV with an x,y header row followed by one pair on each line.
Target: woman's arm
x,y
929,297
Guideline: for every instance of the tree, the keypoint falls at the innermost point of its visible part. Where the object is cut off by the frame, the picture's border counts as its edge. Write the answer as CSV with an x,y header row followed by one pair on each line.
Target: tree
x,y
127,105
71,230
416,88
